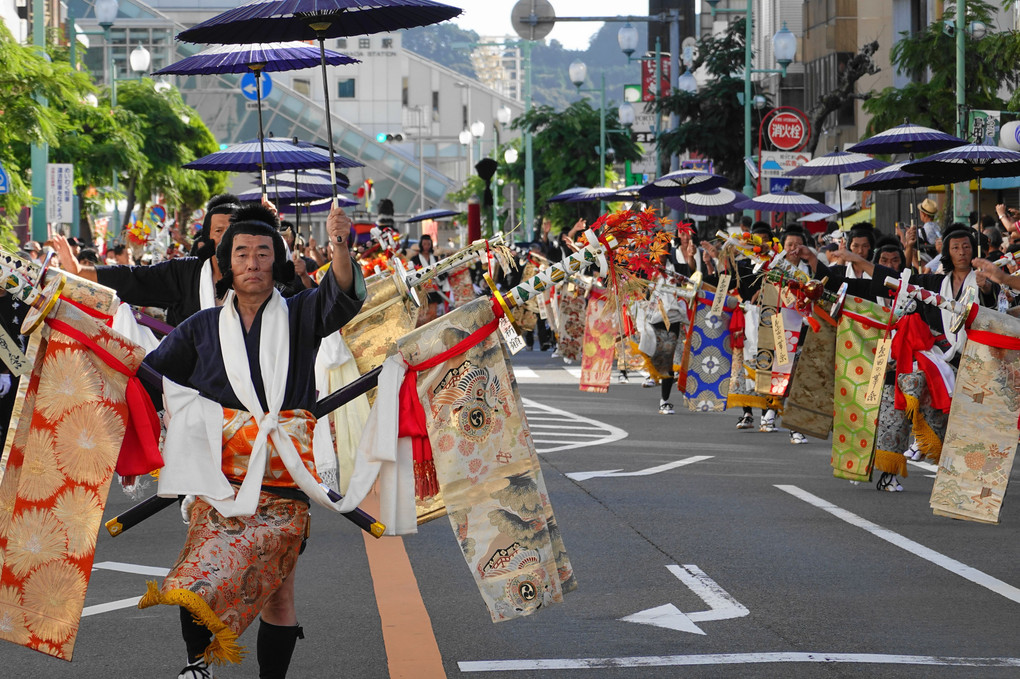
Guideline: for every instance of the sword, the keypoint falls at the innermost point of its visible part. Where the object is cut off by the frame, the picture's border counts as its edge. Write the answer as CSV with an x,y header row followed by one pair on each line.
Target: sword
x,y
961,310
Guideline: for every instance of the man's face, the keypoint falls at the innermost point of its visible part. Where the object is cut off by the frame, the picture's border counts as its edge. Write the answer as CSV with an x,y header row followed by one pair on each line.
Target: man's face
x,y
861,246
122,257
217,225
891,259
251,262
791,243
546,226
961,253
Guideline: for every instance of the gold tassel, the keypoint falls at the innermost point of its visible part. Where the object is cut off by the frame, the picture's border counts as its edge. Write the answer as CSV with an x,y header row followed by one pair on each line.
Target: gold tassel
x,y
224,647
890,462
928,442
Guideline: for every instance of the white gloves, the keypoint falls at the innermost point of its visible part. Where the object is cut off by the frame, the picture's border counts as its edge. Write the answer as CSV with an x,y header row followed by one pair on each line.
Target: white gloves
x,y
5,384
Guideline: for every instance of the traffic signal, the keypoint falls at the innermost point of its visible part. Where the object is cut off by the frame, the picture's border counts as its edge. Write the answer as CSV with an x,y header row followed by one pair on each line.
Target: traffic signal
x,y
385,137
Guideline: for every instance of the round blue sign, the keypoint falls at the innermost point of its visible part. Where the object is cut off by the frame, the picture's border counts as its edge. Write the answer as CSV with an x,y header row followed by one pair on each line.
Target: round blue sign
x,y
249,85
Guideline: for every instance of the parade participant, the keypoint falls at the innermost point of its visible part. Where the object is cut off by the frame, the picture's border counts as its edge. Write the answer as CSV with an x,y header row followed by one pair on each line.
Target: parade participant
x,y
862,243
225,577
121,255
182,286
426,258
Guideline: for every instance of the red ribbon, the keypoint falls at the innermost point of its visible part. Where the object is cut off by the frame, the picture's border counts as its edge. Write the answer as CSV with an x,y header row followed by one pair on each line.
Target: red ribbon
x,y
865,321
139,452
992,339
89,311
737,327
411,420
912,337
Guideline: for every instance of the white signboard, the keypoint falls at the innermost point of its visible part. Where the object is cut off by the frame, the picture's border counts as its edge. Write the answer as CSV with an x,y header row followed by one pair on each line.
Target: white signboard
x,y
647,163
59,193
643,122
778,163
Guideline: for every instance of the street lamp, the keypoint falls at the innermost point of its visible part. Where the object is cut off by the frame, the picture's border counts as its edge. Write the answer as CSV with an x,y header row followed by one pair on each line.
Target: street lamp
x,y
465,141
627,38
578,73
510,157
504,114
784,48
140,58
626,114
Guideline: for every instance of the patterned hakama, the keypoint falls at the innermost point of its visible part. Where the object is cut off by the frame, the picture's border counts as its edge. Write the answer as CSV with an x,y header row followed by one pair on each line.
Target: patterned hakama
x,y
487,467
981,438
571,322
600,337
708,355
808,407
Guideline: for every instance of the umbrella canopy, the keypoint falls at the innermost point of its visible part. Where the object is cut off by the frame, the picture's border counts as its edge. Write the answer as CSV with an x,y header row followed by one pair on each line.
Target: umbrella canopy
x,y
280,154
890,178
971,161
682,182
270,56
320,205
712,202
837,162
311,180
785,201
289,197
598,193
435,213
631,192
907,138
564,195
274,20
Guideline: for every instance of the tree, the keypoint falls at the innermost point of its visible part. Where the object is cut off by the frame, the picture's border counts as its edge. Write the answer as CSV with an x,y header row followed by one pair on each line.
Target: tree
x,y
27,74
172,135
712,114
564,145
858,66
990,63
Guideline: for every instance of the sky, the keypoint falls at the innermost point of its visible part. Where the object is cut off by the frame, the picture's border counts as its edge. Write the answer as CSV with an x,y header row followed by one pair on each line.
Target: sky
x,y
492,17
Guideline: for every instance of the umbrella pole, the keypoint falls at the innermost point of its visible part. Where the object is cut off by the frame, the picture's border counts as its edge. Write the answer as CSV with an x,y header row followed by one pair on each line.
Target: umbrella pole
x,y
319,29
262,149
978,234
297,212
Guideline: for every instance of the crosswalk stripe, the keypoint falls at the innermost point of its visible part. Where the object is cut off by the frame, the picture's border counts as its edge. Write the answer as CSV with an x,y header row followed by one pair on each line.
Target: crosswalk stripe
x,y
525,372
566,430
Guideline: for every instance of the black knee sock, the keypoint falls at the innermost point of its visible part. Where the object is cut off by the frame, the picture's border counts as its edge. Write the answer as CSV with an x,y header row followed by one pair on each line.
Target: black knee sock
x,y
666,386
196,637
275,648
748,411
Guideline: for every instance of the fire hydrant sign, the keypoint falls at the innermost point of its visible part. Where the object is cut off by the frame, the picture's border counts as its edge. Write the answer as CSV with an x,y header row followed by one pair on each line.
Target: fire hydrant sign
x,y
59,193
787,131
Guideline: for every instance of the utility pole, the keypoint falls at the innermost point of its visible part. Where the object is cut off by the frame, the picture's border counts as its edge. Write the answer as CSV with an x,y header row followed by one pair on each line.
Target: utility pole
x,y
40,153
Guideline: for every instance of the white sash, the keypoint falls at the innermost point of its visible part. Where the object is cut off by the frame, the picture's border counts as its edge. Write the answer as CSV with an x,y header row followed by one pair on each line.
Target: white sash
x,y
206,289
956,339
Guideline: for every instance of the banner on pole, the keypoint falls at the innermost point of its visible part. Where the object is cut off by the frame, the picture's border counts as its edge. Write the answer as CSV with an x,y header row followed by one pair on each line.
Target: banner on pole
x,y
59,193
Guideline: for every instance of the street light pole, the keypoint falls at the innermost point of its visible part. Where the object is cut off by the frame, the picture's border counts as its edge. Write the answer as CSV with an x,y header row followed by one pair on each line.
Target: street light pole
x,y
40,153
959,209
529,167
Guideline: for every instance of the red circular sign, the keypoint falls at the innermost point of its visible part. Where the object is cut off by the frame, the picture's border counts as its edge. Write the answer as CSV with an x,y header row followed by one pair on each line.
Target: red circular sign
x,y
787,131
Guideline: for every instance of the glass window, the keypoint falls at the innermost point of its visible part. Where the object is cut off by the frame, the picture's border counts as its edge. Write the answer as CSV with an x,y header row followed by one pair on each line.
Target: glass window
x,y
405,95
345,88
435,106
364,43
302,86
387,43
341,43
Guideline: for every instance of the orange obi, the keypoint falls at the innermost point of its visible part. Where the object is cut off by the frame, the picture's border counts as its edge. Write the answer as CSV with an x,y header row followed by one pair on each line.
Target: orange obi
x,y
239,433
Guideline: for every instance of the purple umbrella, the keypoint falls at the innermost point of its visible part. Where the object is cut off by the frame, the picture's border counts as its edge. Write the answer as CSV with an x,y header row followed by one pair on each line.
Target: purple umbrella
x,y
712,202
971,161
563,196
436,213
275,20
271,154
837,163
598,193
890,178
289,198
273,56
682,182
907,138
785,201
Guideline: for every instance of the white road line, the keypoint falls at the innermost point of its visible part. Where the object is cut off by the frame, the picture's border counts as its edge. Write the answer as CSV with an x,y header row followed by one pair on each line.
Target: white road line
x,y
524,372
130,568
952,565
932,469
565,434
574,370
730,659
112,606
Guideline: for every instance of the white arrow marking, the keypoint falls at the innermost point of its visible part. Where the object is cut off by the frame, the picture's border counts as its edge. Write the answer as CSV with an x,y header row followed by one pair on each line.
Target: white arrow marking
x,y
130,568
722,606
250,89
927,466
112,606
617,473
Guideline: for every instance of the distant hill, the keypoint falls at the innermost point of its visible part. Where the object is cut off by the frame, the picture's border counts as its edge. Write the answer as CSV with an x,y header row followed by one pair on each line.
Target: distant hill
x,y
550,84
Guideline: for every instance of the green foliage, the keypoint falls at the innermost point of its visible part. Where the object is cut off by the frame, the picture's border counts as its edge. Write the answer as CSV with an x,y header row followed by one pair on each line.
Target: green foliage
x,y
438,44
564,144
990,63
27,74
713,116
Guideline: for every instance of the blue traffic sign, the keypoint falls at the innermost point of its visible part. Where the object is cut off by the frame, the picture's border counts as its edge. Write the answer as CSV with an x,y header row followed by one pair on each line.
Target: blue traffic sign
x,y
248,85
5,181
779,183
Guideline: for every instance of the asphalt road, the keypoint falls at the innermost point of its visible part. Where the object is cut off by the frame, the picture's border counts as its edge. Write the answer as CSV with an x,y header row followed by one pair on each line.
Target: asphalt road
x,y
750,557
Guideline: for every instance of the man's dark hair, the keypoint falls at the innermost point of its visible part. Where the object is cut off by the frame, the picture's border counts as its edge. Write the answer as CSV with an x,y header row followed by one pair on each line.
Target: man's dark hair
x,y
762,228
119,248
799,231
88,255
889,244
222,204
746,221
864,230
253,220
994,237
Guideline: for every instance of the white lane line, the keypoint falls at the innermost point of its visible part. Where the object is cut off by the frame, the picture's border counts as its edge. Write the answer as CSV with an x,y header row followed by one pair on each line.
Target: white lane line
x,y
112,606
558,438
138,569
526,373
617,473
575,371
952,565
730,659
